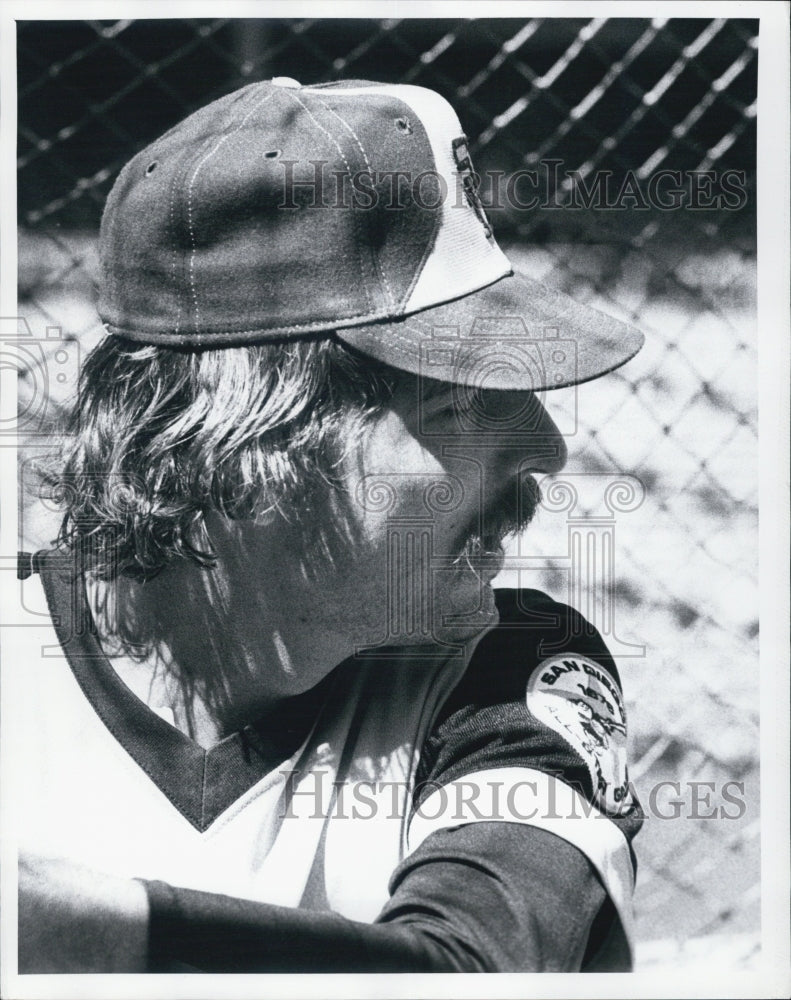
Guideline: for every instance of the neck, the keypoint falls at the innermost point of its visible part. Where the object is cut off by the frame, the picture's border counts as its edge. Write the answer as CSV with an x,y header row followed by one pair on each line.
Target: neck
x,y
219,647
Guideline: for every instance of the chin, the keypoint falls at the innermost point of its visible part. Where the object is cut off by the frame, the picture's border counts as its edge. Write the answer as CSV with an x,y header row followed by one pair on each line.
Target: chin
x,y
467,612
463,609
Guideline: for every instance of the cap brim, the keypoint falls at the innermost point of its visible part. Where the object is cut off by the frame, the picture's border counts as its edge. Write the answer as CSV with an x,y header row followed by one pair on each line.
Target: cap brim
x,y
514,334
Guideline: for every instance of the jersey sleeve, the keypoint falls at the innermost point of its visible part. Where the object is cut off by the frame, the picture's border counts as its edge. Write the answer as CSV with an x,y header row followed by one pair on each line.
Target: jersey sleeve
x,y
535,734
480,898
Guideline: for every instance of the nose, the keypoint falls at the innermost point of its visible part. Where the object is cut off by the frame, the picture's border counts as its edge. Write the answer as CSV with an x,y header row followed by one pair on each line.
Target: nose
x,y
547,451
548,455
530,434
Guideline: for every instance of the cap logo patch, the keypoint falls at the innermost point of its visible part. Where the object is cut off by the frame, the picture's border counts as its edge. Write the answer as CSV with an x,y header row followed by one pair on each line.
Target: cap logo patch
x,y
579,700
469,180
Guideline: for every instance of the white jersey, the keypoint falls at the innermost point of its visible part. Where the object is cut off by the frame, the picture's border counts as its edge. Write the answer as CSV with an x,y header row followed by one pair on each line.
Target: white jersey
x,y
320,816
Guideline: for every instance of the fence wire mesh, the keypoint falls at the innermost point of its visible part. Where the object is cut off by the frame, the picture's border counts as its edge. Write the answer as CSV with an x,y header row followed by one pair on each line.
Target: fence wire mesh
x,y
576,100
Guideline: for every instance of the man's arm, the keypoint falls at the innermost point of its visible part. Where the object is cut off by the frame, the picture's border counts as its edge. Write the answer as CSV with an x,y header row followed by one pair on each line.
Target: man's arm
x,y
487,897
74,919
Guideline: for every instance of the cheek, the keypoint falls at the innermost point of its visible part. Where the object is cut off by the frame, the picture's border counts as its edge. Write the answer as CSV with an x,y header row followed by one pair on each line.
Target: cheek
x,y
399,484
388,504
396,477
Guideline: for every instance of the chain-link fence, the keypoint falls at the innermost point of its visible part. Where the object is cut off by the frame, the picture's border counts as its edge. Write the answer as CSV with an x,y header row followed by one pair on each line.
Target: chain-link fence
x,y
618,161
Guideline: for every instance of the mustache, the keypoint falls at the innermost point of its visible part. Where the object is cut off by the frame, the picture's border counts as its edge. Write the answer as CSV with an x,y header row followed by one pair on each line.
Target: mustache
x,y
509,514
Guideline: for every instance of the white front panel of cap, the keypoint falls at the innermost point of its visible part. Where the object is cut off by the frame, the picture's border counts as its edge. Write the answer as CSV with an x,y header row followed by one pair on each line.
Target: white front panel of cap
x,y
463,258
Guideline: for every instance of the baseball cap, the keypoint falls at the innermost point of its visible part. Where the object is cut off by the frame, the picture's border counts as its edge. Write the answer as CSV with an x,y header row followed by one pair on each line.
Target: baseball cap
x,y
283,211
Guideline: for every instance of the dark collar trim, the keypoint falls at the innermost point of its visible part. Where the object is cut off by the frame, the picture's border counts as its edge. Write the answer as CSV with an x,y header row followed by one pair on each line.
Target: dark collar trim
x,y
200,783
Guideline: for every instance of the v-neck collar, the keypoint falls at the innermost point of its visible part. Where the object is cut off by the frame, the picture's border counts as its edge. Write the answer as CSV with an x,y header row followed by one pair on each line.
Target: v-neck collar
x,y
200,783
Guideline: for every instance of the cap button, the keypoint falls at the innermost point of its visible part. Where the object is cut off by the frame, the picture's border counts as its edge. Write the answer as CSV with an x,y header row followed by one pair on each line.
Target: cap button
x,y
286,81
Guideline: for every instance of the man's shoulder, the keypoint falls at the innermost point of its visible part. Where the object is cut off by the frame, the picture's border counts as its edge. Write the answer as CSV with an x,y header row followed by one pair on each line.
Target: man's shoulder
x,y
536,614
535,634
541,691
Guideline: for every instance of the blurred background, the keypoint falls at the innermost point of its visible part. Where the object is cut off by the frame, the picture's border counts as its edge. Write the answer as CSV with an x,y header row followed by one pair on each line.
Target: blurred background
x,y
675,588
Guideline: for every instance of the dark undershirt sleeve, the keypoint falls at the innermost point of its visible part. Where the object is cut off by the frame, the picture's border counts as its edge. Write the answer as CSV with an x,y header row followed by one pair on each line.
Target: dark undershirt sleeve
x,y
487,897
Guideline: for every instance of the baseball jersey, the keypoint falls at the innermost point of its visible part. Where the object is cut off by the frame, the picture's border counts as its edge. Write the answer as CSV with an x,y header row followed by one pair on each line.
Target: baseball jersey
x,y
324,808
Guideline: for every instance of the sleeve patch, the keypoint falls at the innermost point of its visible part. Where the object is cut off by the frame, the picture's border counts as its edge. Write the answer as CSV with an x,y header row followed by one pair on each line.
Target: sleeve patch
x,y
580,701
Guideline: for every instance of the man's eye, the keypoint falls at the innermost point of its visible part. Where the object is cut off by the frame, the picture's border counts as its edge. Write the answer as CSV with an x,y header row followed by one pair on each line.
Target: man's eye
x,y
455,404
454,410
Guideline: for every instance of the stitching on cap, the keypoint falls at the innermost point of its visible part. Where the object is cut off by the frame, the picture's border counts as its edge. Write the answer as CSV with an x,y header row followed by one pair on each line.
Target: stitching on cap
x,y
348,170
356,138
175,254
430,328
499,344
195,173
108,270
280,331
432,243
400,336
411,344
427,327
423,323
